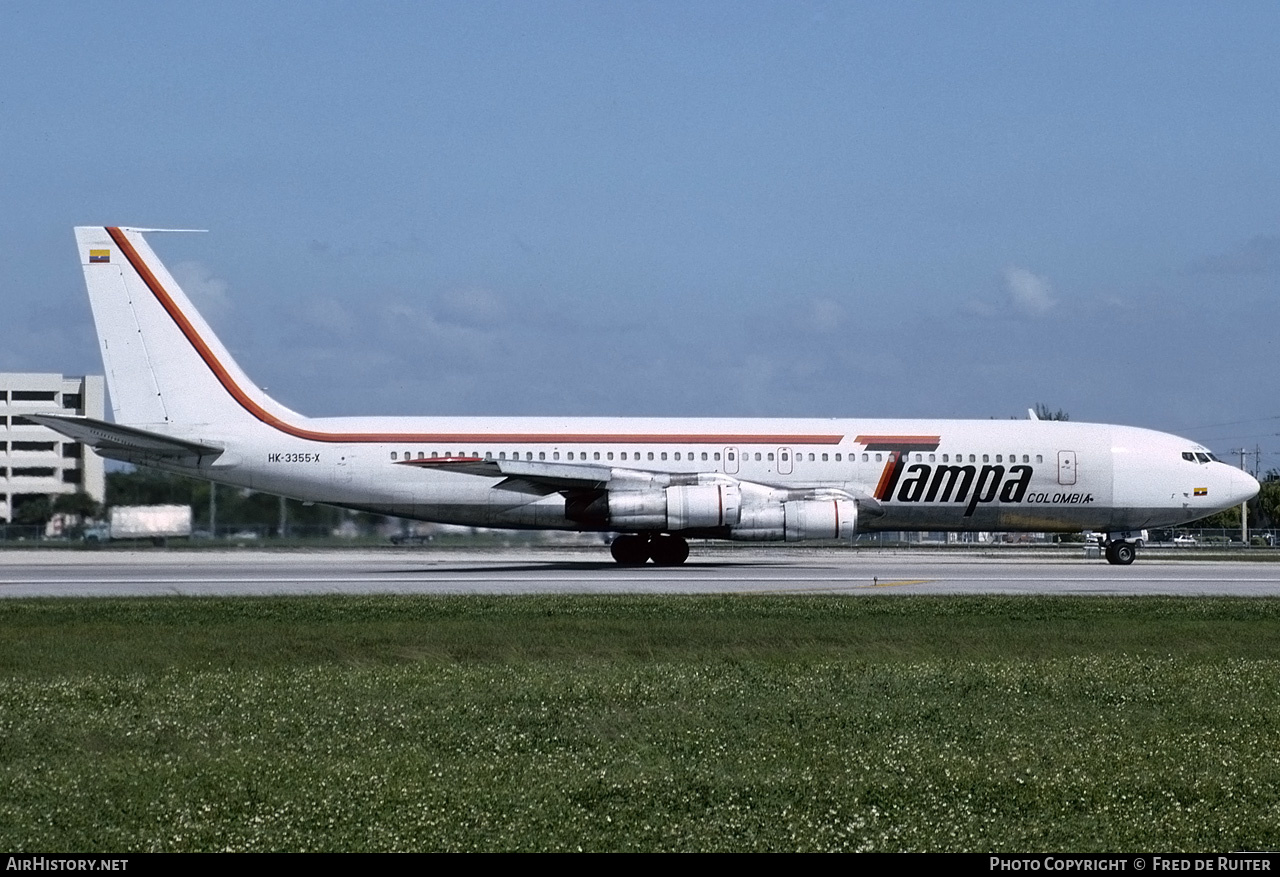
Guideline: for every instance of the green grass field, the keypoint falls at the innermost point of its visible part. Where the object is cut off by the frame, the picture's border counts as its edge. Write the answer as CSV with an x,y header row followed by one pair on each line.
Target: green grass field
x,y
612,723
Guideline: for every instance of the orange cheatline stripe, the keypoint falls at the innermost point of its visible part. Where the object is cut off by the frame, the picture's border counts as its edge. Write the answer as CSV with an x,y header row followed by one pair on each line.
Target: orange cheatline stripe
x,y
898,439
257,411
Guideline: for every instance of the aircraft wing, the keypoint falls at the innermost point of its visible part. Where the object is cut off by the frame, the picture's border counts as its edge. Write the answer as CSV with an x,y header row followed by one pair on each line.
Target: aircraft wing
x,y
542,478
123,442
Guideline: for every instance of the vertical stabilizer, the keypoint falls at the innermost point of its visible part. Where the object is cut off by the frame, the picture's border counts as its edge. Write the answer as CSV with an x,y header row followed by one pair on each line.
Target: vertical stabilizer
x,y
166,370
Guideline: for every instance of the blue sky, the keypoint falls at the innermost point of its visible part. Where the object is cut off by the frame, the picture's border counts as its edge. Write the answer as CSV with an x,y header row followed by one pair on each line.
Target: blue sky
x,y
765,209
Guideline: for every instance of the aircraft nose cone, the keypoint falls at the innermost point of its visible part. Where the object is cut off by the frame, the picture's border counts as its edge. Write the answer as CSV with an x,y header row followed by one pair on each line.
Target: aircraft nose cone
x,y
1244,486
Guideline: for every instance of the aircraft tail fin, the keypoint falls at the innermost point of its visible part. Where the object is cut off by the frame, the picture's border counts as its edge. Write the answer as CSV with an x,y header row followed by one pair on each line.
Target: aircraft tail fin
x,y
165,368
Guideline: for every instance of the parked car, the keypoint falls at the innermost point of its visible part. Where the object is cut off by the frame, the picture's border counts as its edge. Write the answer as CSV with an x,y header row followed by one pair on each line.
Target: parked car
x,y
1184,539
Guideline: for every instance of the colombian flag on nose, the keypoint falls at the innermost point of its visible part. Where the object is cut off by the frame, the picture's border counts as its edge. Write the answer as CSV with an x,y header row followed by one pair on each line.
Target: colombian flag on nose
x,y
1202,491
99,255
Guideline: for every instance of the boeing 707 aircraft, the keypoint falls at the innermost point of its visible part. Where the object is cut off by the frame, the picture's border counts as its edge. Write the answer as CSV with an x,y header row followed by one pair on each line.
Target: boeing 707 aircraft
x,y
182,404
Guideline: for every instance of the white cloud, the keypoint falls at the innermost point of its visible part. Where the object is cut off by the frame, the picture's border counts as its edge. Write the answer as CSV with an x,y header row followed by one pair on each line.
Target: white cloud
x,y
1030,294
825,316
207,293
472,307
331,315
1259,255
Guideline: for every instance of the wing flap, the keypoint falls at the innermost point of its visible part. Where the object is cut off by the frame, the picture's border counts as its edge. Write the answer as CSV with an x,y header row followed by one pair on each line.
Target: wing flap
x,y
525,476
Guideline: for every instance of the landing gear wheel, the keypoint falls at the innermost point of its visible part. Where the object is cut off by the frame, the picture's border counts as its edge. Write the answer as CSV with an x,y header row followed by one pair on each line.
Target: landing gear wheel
x,y
630,550
668,550
1124,553
1121,553
1109,552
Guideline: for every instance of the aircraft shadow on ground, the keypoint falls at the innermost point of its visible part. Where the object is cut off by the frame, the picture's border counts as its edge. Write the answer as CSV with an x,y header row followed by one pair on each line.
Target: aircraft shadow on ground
x,y
586,566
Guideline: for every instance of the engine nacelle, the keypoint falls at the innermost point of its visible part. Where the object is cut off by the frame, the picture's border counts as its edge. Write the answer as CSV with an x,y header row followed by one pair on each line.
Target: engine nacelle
x,y
703,505
798,520
821,519
740,510
637,509
687,507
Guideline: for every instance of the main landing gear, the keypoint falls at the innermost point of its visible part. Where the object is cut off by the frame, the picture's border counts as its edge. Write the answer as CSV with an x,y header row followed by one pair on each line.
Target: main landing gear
x,y
662,548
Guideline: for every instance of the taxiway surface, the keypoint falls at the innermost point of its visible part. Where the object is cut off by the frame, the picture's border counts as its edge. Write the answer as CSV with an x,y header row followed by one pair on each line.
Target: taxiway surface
x,y
589,571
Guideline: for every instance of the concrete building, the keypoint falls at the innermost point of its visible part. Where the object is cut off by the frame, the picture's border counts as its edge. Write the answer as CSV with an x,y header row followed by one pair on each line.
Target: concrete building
x,y
37,461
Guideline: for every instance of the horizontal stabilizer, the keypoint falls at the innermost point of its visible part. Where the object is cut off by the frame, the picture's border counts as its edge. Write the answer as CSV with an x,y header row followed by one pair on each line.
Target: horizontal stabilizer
x,y
123,442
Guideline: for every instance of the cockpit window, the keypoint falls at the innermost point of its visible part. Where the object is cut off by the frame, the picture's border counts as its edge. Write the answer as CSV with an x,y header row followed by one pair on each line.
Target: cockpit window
x,y
1214,459
1188,456
1203,458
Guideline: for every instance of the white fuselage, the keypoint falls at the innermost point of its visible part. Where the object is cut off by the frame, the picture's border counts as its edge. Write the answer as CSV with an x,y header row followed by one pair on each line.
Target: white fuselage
x,y
977,475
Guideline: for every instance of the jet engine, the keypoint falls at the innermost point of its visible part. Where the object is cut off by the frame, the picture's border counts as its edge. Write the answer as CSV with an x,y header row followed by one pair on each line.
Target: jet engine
x,y
685,507
798,520
735,510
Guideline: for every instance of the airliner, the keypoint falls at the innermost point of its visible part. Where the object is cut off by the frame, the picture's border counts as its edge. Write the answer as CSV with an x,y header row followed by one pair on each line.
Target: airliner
x,y
182,404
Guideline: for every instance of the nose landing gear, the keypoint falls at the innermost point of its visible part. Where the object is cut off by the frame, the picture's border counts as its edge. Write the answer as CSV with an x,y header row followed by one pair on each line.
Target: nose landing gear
x,y
1121,553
